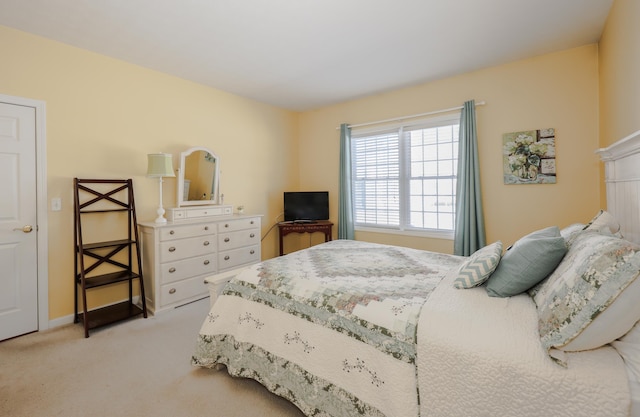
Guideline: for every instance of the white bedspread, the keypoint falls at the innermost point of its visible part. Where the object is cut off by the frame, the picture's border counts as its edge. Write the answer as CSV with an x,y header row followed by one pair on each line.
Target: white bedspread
x,y
481,356
331,328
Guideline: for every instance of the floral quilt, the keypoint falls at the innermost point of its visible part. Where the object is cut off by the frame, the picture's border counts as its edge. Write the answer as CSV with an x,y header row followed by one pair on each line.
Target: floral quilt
x,y
331,328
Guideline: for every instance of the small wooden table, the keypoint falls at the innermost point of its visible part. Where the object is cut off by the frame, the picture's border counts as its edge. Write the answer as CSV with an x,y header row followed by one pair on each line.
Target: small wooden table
x,y
323,226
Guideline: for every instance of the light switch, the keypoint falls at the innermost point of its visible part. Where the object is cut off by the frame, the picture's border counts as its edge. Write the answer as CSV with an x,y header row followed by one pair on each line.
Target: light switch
x,y
56,204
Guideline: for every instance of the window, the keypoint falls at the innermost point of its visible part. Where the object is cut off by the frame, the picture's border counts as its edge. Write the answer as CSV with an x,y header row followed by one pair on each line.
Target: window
x,y
404,178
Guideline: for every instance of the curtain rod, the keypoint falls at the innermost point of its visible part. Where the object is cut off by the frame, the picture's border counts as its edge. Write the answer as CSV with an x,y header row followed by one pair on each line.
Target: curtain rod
x,y
395,119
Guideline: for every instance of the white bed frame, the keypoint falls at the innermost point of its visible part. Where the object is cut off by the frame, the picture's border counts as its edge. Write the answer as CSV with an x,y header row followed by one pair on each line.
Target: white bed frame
x,y
622,178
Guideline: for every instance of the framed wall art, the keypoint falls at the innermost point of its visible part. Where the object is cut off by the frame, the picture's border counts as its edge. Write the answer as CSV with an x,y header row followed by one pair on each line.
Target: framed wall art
x,y
529,157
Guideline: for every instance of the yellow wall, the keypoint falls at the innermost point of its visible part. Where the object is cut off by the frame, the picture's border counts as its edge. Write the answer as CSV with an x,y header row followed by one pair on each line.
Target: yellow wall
x,y
619,61
104,116
558,90
619,58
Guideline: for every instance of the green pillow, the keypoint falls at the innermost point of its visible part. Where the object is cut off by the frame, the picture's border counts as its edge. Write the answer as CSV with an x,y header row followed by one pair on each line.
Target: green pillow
x,y
530,260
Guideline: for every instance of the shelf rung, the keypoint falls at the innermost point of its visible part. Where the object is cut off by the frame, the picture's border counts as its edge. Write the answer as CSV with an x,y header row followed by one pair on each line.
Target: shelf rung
x,y
106,279
110,314
103,211
109,244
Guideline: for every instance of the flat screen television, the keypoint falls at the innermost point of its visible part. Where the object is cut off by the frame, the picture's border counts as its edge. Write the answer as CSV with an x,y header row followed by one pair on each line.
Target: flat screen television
x,y
305,206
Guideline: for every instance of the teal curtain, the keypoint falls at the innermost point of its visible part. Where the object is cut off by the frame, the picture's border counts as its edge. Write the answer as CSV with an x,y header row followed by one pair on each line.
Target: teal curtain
x,y
345,199
469,228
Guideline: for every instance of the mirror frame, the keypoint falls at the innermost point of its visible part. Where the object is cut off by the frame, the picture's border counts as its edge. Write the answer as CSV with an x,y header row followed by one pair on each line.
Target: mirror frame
x,y
215,195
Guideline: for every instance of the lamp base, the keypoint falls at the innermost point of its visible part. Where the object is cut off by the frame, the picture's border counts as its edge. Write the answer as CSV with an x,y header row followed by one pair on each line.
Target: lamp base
x,y
160,219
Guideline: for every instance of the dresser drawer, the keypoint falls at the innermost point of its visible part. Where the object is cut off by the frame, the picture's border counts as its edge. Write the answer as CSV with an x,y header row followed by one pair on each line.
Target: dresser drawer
x,y
191,230
208,212
236,257
201,212
177,270
241,224
234,240
178,291
185,248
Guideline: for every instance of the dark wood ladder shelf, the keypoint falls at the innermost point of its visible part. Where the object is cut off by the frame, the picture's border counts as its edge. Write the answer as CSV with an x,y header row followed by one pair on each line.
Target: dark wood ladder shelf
x,y
110,314
99,264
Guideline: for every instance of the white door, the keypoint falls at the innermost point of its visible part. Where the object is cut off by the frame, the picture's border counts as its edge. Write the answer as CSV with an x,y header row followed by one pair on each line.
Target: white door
x,y
18,234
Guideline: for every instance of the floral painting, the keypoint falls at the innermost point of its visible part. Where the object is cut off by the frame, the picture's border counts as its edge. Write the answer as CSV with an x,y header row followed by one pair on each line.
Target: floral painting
x,y
529,157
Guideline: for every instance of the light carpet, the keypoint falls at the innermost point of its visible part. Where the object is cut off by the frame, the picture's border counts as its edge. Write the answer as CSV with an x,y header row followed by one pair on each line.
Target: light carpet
x,y
140,367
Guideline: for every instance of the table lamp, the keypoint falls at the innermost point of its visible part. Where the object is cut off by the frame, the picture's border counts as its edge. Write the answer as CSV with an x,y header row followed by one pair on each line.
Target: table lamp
x,y
160,165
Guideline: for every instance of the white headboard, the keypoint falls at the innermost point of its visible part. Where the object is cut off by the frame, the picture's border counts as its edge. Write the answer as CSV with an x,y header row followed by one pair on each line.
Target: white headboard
x,y
622,178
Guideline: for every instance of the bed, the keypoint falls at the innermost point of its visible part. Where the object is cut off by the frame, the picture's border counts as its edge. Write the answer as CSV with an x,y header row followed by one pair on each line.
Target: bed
x,y
353,328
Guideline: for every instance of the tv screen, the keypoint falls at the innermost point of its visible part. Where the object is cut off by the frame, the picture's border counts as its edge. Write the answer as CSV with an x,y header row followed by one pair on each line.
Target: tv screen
x,y
306,205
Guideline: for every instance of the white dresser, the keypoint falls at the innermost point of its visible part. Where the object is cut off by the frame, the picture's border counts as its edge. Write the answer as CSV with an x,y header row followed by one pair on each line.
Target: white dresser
x,y
178,256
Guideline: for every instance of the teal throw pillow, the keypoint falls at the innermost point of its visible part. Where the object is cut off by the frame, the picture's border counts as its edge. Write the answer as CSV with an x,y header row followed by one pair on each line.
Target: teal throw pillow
x,y
479,267
530,260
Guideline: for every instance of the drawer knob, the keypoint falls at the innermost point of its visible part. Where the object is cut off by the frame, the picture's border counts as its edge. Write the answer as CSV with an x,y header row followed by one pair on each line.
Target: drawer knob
x,y
226,225
206,228
172,270
206,243
226,239
252,235
251,222
252,251
172,232
172,291
206,262
226,258
172,249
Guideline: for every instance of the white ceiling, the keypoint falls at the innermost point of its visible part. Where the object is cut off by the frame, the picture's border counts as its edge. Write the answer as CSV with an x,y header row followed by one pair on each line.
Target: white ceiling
x,y
305,54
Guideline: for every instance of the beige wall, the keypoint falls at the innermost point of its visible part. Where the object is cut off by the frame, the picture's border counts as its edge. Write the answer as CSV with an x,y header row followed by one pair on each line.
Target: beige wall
x,y
558,90
619,59
104,116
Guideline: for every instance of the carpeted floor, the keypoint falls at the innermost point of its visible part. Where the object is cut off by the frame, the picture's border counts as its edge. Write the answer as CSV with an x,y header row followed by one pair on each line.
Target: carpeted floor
x,y
140,367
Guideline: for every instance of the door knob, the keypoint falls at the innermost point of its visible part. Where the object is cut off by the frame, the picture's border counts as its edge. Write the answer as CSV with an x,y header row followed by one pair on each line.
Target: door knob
x,y
26,229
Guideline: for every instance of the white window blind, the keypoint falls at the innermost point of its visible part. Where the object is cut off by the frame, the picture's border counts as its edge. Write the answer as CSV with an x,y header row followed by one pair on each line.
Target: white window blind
x,y
376,170
405,178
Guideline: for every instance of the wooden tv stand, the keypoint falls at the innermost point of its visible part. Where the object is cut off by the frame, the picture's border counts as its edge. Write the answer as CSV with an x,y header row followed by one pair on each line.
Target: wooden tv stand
x,y
323,226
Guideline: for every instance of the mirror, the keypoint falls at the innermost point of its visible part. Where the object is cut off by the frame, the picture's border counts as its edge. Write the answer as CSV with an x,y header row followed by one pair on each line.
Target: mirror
x,y
198,177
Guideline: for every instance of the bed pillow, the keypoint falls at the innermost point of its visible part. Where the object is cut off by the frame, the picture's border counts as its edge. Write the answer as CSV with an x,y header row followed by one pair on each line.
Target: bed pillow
x,y
570,232
479,267
591,299
604,222
530,260
628,347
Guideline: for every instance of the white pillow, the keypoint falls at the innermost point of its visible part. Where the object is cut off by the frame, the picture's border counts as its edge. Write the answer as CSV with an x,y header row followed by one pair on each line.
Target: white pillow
x,y
628,347
604,222
617,319
570,232
591,299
